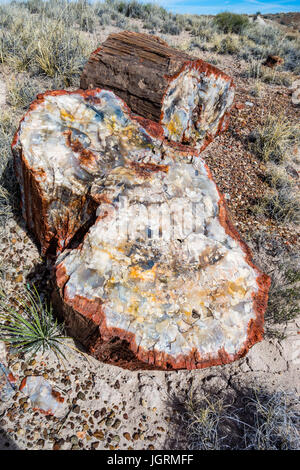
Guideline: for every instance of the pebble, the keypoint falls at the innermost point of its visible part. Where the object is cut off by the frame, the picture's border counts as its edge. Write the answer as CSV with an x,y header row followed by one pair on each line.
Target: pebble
x,y
116,424
99,435
74,440
81,396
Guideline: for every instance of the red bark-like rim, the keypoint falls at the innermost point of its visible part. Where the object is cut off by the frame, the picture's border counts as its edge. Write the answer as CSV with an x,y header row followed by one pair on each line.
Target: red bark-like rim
x,y
92,309
153,128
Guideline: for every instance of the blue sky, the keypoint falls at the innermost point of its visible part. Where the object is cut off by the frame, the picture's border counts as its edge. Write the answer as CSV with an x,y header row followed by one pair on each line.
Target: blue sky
x,y
211,7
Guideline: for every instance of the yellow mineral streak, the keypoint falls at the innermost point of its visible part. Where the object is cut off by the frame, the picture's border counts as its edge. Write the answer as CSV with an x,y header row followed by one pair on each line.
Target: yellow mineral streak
x,y
65,116
175,126
145,275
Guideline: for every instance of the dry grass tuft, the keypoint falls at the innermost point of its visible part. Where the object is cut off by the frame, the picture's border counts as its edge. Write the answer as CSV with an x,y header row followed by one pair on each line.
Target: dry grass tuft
x,y
281,263
255,420
272,139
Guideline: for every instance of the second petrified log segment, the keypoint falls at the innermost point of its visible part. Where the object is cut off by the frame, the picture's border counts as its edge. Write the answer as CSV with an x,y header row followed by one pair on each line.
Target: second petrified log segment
x,y
187,96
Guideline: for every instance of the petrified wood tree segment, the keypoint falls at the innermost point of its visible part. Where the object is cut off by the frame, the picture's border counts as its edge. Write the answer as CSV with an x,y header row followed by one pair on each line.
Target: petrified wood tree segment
x,y
164,276
161,278
187,96
67,146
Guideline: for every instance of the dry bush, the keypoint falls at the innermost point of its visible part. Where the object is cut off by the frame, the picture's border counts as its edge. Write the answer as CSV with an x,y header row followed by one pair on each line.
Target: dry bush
x,y
271,140
281,262
8,186
43,46
231,22
281,205
254,420
22,90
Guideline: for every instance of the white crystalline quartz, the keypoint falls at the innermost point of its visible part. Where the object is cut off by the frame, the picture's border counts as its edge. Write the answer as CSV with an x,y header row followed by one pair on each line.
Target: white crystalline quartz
x,y
186,95
164,266
100,125
69,146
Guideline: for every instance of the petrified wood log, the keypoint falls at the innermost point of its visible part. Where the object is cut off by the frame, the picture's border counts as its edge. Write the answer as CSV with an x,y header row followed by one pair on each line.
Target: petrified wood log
x,y
190,98
161,279
66,146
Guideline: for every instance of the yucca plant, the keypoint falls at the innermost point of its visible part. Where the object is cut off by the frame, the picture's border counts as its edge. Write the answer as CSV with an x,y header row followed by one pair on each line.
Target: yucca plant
x,y
28,324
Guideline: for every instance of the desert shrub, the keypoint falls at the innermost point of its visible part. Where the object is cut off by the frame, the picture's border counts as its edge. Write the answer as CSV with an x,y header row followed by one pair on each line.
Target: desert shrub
x,y
274,422
282,205
46,47
284,297
258,71
277,177
138,10
132,9
231,22
22,90
60,52
202,26
290,50
277,78
256,90
271,143
254,420
34,6
281,262
153,23
105,19
264,35
271,140
171,27
8,190
265,40
229,45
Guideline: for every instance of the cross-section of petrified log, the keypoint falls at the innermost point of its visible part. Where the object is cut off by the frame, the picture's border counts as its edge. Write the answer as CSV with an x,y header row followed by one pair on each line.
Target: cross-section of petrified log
x,y
67,146
162,279
187,96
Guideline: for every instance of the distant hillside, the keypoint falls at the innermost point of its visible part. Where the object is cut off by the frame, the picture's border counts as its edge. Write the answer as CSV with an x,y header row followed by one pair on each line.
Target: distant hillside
x,y
291,19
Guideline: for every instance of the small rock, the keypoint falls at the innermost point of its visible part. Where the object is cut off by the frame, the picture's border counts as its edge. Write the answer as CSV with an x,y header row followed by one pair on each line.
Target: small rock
x,y
99,435
115,439
74,440
116,424
7,387
81,396
42,396
296,97
273,61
